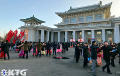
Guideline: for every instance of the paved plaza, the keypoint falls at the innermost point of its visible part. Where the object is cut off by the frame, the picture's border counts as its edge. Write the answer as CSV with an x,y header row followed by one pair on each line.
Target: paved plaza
x,y
48,66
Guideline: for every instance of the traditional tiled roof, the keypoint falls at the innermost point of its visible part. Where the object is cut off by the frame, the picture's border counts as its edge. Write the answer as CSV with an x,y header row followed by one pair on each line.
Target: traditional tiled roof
x,y
83,9
32,18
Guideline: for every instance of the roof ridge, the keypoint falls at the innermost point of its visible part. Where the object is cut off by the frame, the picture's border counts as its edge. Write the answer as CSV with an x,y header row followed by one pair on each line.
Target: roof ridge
x,y
85,6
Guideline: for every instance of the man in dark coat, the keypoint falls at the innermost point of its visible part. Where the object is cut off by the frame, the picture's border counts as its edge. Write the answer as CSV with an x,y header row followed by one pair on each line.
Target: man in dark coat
x,y
78,48
63,47
75,49
106,56
94,57
6,46
117,52
48,46
54,48
113,47
85,54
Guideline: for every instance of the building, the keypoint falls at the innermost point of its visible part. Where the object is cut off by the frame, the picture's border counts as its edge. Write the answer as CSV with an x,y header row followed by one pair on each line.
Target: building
x,y
90,22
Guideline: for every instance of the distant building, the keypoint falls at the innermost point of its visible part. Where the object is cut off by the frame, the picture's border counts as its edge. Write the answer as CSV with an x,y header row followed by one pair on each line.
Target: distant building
x,y
90,22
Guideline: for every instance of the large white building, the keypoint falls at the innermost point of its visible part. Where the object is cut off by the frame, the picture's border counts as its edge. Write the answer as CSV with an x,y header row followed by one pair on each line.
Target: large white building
x,y
90,22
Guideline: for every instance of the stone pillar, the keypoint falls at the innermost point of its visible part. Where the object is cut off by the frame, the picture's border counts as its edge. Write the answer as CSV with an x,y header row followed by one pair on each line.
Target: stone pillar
x,y
84,18
74,35
42,35
116,33
65,36
93,17
52,36
83,34
58,36
48,32
93,34
37,35
31,35
103,16
103,35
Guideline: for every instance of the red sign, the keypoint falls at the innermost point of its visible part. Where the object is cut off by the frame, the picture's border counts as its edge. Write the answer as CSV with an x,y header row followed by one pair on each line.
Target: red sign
x,y
72,40
80,40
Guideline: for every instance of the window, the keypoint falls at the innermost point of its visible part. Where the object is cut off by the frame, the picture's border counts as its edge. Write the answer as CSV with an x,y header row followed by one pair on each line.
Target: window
x,y
66,20
73,19
99,32
109,32
89,18
98,17
89,25
80,19
80,25
88,33
80,33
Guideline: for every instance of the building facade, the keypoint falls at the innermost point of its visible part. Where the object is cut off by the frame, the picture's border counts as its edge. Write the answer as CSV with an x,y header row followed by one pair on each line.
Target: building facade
x,y
90,22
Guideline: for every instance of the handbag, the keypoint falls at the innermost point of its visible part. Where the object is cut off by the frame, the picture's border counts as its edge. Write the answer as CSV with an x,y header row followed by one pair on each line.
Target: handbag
x,y
43,52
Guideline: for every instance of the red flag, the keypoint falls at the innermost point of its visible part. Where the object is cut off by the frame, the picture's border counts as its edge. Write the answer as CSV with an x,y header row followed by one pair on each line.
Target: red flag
x,y
15,33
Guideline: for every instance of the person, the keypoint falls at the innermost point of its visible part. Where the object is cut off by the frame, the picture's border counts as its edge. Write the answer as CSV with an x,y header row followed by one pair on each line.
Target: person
x,y
48,47
54,48
39,46
75,49
34,49
106,56
63,47
85,55
94,57
2,50
78,52
43,49
6,46
25,45
30,46
112,51
58,48
117,52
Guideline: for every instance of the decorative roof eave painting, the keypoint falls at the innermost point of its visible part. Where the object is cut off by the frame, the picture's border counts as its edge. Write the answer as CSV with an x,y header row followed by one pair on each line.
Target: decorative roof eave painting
x,y
84,9
32,18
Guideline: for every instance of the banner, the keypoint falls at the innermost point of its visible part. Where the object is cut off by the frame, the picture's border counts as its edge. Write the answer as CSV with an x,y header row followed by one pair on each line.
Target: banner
x,y
72,40
80,40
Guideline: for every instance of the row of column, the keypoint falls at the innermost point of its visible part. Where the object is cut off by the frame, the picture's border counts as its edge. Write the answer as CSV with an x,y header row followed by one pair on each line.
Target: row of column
x,y
42,35
83,33
116,34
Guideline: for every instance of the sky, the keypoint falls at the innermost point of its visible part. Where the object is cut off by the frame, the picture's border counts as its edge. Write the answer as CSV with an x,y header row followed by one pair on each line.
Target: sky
x,y
11,11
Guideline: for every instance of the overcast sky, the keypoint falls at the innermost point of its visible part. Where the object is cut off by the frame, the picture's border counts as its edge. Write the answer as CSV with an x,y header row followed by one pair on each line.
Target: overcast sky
x,y
11,11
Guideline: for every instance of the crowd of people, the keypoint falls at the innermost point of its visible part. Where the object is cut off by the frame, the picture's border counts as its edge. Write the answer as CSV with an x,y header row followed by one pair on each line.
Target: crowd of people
x,y
96,51
38,48
91,52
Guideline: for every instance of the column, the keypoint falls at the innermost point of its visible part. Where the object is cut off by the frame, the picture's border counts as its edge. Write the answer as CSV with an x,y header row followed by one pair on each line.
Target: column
x,y
93,17
31,35
52,36
83,34
58,36
37,35
103,35
42,35
103,16
93,34
65,36
74,35
48,32
116,33
84,18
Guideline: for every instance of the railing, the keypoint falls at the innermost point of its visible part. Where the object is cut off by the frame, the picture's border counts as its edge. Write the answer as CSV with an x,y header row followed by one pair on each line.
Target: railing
x,y
62,23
